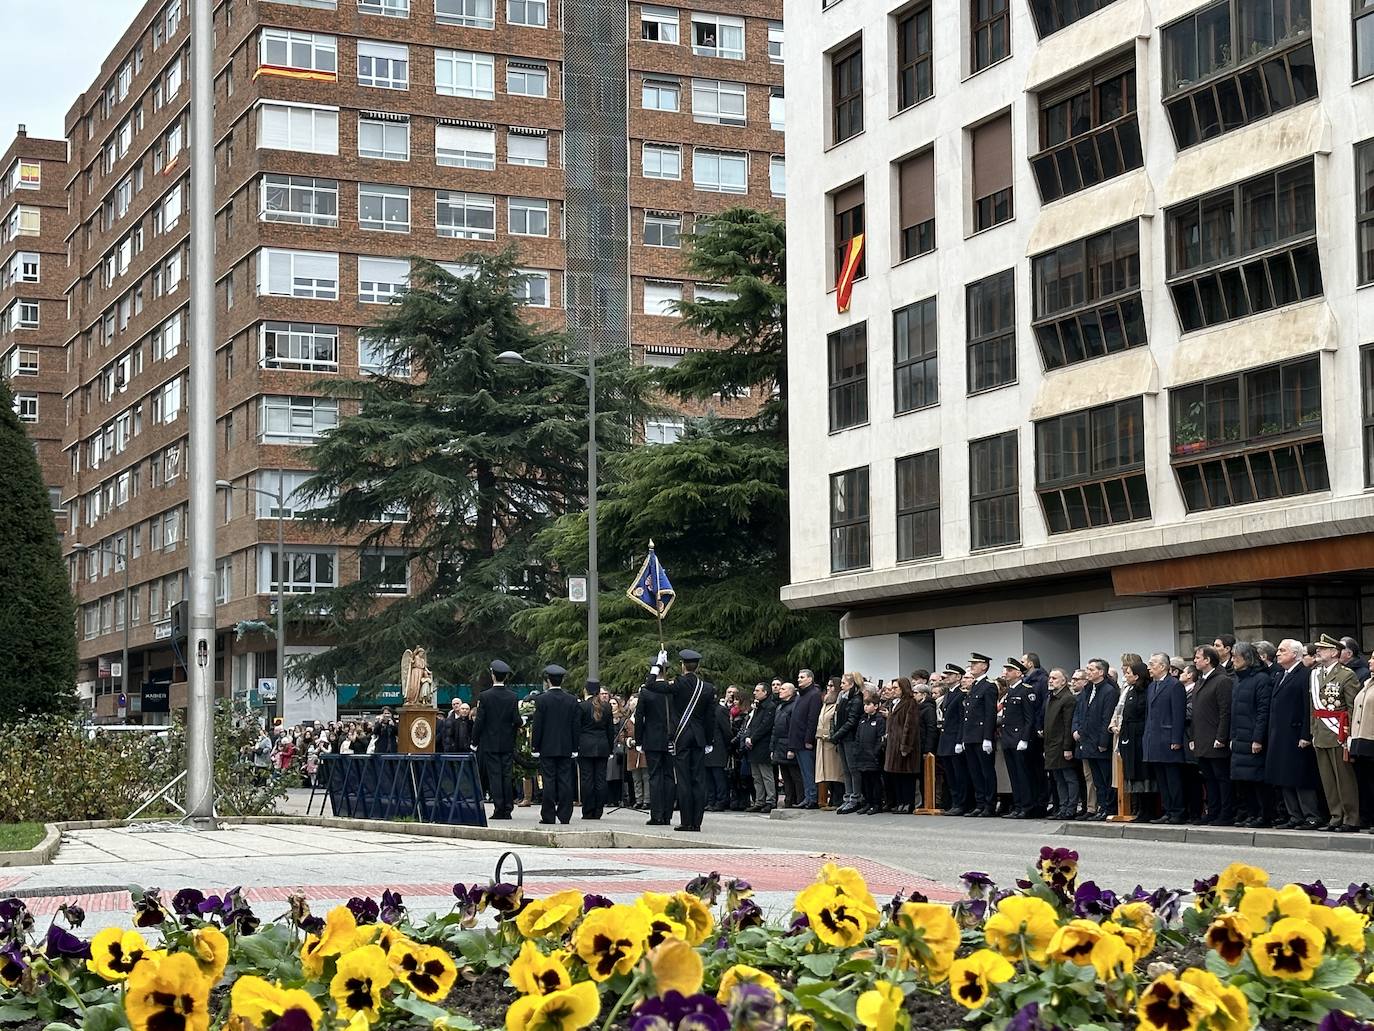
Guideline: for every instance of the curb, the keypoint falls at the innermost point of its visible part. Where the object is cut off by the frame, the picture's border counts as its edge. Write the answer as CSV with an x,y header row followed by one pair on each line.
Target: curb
x,y
1358,843
41,854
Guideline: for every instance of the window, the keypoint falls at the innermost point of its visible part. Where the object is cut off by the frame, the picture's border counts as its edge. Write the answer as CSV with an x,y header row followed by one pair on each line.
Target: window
x,y
20,315
23,267
1367,396
298,274
1364,209
661,95
664,430
915,67
662,298
658,24
166,339
916,207
475,14
1090,467
300,198
300,345
289,484
1053,15
848,207
387,139
383,65
662,230
312,130
23,222
775,42
992,332
849,539
918,506
527,149
534,13
528,216
386,8
1363,38
1248,248
847,92
387,571
994,503
1249,437
989,32
716,35
300,51
26,407
461,73
777,109
466,216
386,208
1235,62
1087,297
306,571
847,351
777,175
296,420
22,361
378,356
463,147
718,103
720,171
380,280
992,196
662,161
224,580
527,80
915,368
1089,131
532,287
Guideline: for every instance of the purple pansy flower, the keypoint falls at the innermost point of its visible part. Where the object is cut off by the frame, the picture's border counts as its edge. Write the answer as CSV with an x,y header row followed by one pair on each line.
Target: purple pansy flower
x,y
1093,903
592,901
364,910
392,908
62,944
148,911
674,1012
705,887
187,902
1339,1021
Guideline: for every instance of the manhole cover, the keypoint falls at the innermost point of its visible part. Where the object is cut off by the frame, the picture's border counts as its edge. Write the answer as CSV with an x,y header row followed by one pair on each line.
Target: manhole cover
x,y
587,871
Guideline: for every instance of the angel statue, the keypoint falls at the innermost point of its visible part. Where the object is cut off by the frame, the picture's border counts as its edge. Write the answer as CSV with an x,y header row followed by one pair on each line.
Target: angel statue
x,y
417,682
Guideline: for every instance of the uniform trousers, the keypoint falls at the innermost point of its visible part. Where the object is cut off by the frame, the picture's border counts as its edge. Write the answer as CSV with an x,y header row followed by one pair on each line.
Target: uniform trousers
x,y
498,766
791,782
690,766
660,786
1303,803
1339,786
1023,794
592,776
982,774
556,772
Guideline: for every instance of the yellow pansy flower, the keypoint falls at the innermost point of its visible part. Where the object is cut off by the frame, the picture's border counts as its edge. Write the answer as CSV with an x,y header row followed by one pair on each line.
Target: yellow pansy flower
x,y
1291,950
566,1010
1229,936
676,967
1021,928
1170,1004
742,973
359,979
115,952
838,919
1344,927
1233,1009
534,973
882,1008
170,992
211,950
428,970
261,1003
550,917
1239,875
971,979
611,940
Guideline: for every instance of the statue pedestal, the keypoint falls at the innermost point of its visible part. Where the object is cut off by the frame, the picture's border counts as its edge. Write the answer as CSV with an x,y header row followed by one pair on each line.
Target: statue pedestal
x,y
418,727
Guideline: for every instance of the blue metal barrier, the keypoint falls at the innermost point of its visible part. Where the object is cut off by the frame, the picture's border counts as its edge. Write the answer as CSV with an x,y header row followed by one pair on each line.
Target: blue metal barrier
x,y
428,788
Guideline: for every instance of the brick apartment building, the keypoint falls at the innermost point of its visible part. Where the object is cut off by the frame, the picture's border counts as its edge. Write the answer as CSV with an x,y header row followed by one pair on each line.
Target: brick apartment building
x,y
350,135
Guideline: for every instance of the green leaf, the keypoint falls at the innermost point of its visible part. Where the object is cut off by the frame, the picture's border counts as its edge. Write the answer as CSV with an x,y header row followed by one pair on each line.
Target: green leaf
x,y
827,1003
1352,999
821,964
1218,966
106,1017
1335,971
13,1014
429,1012
58,1025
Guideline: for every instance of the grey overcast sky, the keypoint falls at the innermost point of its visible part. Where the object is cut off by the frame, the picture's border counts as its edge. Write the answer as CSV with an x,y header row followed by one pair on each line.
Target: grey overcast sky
x,y
50,50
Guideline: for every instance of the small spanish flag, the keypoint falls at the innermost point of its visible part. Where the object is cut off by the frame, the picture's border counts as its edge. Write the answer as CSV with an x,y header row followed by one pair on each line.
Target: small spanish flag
x,y
296,73
853,255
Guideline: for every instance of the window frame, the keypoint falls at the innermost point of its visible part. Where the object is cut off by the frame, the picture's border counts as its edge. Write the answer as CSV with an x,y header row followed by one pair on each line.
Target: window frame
x,y
1100,493
847,384
924,506
666,224
469,15
718,49
846,92
298,185
720,158
366,121
528,73
660,17
928,357
461,200
528,6
1085,322
981,28
907,60
386,71
704,90
528,205
481,67
981,461
661,150
1003,335
301,337
850,527
389,195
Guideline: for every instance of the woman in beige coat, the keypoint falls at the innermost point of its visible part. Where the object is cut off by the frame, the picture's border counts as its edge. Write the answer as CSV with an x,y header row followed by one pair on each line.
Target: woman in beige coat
x,y
829,766
1360,747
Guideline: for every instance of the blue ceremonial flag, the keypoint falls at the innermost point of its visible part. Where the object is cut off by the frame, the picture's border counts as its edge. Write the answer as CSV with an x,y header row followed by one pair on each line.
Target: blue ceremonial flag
x,y
651,589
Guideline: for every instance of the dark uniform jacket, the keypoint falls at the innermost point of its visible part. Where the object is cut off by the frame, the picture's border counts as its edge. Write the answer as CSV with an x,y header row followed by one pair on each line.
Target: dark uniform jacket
x,y
1134,714
849,709
1250,703
498,720
595,737
805,719
651,722
1212,716
980,713
952,732
455,733
757,729
386,736
557,724
720,753
1020,714
1059,729
690,729
930,732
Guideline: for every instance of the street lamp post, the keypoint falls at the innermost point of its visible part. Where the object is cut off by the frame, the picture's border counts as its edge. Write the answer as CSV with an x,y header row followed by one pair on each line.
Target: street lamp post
x,y
593,592
279,497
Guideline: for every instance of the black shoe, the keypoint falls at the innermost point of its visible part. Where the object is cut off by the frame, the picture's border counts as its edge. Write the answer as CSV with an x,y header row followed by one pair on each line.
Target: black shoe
x,y
1160,819
500,816
1346,828
956,811
657,823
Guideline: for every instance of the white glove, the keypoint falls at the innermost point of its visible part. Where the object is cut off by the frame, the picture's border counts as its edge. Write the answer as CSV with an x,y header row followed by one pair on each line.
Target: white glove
x,y
639,750
662,659
959,749
655,669
1021,746
987,747
709,748
535,755
574,755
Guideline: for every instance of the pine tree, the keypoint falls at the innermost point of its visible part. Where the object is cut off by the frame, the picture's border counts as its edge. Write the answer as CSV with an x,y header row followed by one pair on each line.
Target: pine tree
x,y
37,616
480,455
714,502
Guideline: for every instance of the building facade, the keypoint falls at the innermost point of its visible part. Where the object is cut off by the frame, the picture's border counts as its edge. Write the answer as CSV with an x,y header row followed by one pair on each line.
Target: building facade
x,y
350,136
1105,383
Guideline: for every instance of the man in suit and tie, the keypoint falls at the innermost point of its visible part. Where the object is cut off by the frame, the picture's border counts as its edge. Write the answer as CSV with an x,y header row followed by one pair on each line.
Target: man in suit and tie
x,y
691,731
1290,761
493,737
977,731
1165,736
1211,735
553,741
1092,734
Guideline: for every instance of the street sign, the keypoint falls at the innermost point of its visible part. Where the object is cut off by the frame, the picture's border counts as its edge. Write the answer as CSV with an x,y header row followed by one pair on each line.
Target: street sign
x,y
102,668
267,689
577,588
162,631
157,697
117,670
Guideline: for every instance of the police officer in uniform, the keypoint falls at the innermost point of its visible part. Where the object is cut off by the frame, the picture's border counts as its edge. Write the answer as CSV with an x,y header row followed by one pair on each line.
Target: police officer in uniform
x,y
652,731
977,733
1020,710
553,741
493,737
691,731
951,735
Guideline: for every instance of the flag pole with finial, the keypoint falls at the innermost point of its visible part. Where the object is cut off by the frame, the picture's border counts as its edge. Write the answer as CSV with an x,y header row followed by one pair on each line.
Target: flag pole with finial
x,y
658,602
653,590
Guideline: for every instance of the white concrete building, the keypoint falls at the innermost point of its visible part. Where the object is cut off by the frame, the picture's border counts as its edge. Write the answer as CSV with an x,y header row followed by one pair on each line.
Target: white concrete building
x,y
1106,383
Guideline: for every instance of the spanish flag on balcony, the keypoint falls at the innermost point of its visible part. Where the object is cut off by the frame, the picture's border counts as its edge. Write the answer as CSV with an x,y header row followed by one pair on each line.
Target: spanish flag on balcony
x,y
296,73
844,287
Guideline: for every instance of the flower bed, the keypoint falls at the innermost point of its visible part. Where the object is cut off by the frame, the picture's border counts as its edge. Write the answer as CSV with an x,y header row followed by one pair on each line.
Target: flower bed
x,y
1231,954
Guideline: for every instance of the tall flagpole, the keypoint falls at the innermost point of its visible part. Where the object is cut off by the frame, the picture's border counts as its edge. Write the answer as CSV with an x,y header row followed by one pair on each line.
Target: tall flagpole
x,y
200,737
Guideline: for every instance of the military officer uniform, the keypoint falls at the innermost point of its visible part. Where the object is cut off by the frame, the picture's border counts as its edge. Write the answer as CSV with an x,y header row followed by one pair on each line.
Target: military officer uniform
x,y
652,730
691,731
1020,722
978,733
493,736
553,740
